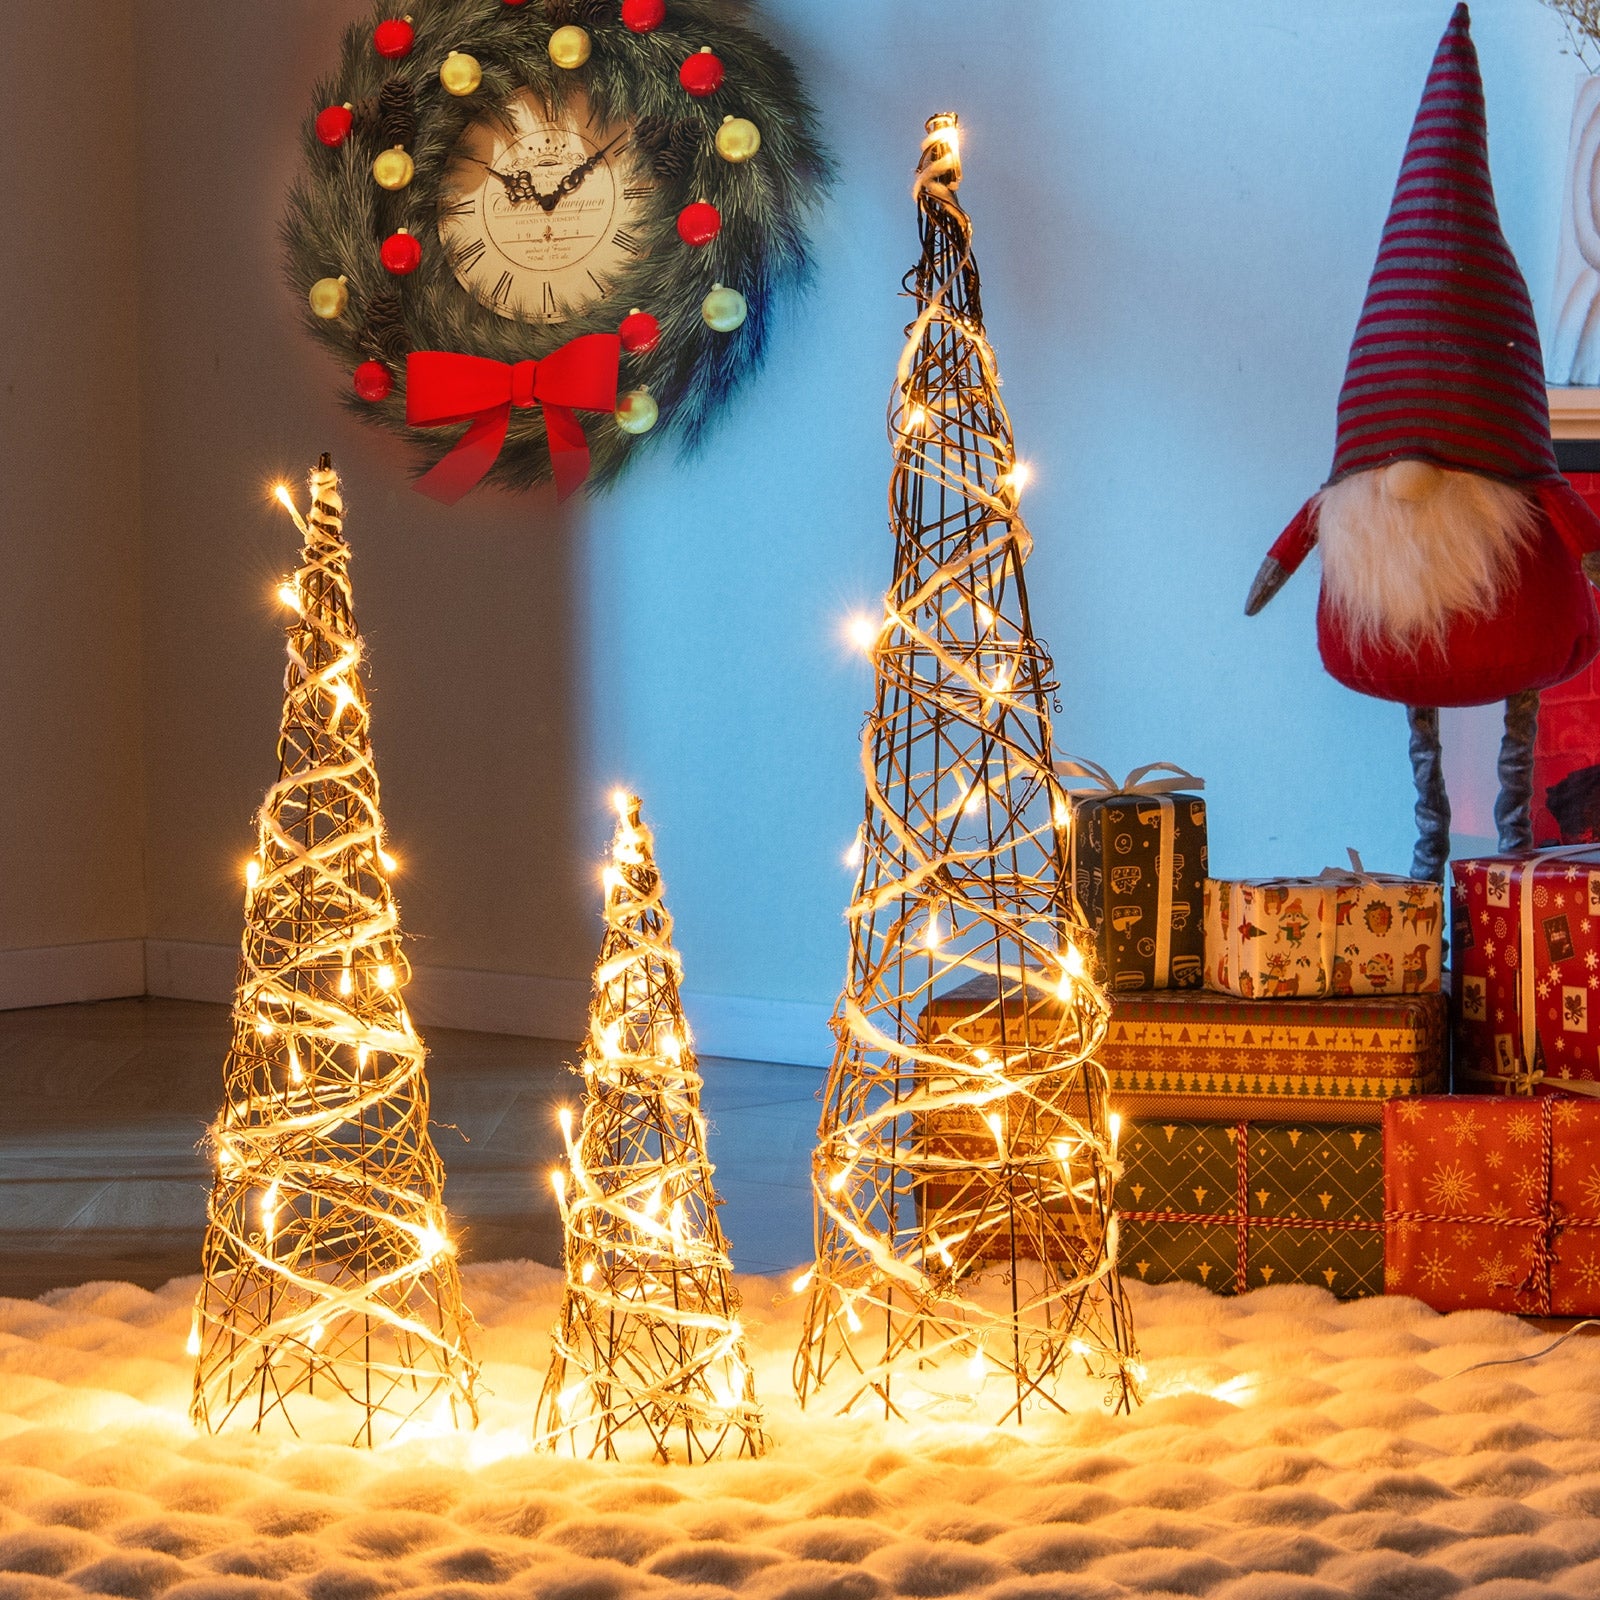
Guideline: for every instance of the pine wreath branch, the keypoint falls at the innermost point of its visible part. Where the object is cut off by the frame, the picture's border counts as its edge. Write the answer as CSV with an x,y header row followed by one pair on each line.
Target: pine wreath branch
x,y
336,217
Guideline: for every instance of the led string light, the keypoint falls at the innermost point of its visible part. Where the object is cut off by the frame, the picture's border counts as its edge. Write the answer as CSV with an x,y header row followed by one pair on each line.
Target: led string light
x,y
329,1268
648,1349
940,1157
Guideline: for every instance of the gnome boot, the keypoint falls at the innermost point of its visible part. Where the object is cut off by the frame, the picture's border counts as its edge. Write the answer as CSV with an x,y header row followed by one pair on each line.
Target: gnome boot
x,y
1513,807
1433,803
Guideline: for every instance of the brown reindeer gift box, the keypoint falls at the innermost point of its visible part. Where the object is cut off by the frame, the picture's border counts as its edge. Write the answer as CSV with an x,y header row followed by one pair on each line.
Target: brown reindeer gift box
x,y
1340,933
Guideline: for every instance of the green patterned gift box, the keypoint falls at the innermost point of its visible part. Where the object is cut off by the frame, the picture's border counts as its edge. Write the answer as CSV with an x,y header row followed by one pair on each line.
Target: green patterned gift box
x,y
1240,1205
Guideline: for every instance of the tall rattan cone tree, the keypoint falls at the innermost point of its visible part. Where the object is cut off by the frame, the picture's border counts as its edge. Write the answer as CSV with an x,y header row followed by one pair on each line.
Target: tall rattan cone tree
x,y
648,1351
330,1275
963,1172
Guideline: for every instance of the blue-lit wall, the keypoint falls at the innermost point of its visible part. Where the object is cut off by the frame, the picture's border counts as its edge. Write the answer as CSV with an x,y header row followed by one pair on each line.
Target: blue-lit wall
x,y
1177,207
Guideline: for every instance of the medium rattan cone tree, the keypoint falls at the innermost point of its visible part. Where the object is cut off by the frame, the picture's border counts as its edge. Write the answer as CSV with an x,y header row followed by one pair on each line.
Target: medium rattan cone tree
x,y
964,1170
330,1275
648,1351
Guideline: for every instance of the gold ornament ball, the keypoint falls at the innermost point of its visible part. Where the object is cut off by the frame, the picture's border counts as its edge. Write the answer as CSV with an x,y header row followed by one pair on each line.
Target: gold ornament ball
x,y
637,411
724,310
738,139
570,46
461,73
329,297
393,169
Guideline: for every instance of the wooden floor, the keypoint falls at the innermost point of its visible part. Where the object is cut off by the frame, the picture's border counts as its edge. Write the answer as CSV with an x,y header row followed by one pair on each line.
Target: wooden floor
x,y
103,1109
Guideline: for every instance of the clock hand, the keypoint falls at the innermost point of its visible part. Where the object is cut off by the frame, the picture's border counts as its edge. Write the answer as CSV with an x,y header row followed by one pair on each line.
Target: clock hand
x,y
518,185
574,179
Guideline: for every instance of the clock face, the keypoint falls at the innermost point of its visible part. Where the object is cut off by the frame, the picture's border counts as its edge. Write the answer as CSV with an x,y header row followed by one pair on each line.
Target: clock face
x,y
542,213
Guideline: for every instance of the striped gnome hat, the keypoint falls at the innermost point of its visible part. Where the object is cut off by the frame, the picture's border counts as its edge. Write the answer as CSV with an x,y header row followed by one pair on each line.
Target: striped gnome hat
x,y
1445,366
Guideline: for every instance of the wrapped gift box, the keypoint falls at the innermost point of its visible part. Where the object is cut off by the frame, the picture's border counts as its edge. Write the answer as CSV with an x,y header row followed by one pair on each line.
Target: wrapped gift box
x,y
1340,934
1494,1204
1237,1206
1525,952
1201,1055
1331,1060
1138,871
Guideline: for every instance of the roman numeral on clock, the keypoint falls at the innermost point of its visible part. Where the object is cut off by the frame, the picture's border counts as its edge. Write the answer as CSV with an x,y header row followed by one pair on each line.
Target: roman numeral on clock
x,y
471,254
600,284
501,293
638,191
624,240
547,303
462,208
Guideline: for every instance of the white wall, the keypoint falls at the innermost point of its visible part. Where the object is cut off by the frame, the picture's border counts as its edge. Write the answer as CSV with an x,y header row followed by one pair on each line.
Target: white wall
x,y
71,881
1177,207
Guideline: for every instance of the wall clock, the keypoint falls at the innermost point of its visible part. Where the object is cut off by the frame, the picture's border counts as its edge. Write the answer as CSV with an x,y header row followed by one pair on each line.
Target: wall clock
x,y
540,234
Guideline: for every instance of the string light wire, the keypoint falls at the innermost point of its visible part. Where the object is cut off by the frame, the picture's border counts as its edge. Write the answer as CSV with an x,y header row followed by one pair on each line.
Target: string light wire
x,y
648,1349
329,1271
965,1238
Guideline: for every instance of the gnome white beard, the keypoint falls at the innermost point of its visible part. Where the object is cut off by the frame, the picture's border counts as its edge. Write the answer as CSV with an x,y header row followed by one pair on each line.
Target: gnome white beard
x,y
1398,567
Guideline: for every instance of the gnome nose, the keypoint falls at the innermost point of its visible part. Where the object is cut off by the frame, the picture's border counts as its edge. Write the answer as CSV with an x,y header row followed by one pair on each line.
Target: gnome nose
x,y
1411,480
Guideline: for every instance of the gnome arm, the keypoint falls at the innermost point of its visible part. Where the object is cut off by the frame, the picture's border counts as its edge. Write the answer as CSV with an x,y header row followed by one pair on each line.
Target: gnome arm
x,y
1575,523
1292,547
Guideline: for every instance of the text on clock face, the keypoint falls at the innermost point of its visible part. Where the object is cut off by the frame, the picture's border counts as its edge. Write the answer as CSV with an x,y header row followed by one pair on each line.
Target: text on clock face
x,y
542,213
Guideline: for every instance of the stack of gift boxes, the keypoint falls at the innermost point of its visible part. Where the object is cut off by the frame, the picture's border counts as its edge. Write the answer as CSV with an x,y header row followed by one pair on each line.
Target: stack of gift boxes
x,y
1279,1052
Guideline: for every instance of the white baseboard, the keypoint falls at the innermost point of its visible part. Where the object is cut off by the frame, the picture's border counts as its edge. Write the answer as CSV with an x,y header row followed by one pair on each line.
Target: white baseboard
x,y
68,974
732,1026
178,970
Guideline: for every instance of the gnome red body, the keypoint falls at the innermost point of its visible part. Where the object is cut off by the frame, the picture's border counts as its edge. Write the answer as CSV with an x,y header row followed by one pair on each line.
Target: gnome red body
x,y
1453,550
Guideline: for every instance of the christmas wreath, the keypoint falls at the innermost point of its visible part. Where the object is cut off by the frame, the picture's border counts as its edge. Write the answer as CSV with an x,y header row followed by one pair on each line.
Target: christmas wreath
x,y
553,221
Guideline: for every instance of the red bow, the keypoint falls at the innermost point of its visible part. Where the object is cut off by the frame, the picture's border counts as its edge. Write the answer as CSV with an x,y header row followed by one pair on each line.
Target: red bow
x,y
443,387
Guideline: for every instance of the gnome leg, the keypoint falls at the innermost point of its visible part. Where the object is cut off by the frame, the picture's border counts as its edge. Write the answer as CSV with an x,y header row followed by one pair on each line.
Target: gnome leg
x,y
1513,809
1433,804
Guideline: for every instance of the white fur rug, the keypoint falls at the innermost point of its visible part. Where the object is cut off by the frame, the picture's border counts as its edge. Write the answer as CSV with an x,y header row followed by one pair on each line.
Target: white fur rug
x,y
1298,1449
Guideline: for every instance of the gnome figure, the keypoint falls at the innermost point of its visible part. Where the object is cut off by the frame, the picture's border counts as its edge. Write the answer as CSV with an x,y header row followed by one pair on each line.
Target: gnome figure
x,y
1455,557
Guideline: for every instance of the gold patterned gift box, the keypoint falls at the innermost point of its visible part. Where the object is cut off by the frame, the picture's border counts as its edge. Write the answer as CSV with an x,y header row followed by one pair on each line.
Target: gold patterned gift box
x,y
1203,1055
1339,934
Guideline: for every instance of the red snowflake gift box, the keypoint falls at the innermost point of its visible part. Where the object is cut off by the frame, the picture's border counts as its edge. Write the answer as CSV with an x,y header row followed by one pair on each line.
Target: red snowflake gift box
x,y
1525,949
1493,1204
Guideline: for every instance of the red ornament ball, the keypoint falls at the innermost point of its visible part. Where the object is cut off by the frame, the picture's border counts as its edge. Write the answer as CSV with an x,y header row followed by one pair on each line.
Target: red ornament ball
x,y
401,253
643,16
701,74
394,38
334,124
640,333
373,381
699,223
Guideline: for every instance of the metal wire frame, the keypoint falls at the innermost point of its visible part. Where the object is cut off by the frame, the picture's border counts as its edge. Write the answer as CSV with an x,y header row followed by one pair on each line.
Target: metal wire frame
x,y
940,1159
329,1270
648,1349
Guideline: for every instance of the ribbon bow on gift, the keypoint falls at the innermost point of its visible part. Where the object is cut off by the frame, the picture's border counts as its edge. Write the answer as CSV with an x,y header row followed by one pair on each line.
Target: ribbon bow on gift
x,y
1078,773
444,387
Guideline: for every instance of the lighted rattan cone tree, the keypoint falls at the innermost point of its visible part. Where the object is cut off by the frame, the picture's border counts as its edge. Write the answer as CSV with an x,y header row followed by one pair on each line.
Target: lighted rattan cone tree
x,y
963,1172
648,1352
330,1275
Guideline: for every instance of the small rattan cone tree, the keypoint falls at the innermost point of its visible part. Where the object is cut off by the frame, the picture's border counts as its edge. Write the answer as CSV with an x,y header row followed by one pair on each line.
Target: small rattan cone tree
x,y
330,1275
963,1173
648,1351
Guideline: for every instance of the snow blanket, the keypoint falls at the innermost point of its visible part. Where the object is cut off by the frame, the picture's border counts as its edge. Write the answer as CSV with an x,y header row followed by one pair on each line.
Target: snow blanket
x,y
1295,1448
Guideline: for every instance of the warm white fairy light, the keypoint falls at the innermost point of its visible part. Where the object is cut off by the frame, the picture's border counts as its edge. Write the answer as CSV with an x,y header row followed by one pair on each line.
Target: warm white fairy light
x,y
329,1269
937,1161
863,631
648,1351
